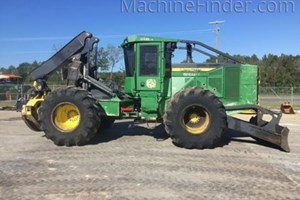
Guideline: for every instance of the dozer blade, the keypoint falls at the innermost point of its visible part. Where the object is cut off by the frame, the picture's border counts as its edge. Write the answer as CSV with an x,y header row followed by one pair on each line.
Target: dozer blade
x,y
259,129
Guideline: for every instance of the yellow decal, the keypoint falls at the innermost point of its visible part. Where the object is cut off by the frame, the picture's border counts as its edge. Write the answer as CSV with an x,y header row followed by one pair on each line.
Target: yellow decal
x,y
203,69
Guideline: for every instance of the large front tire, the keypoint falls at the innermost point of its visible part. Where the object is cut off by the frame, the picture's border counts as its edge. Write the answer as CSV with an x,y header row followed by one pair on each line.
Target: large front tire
x,y
195,118
69,116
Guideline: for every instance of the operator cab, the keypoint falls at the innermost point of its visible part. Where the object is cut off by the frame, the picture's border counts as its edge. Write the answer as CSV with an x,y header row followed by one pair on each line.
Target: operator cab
x,y
147,62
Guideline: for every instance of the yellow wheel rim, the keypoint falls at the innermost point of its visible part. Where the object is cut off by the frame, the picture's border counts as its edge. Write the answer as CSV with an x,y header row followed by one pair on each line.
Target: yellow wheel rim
x,y
66,117
195,119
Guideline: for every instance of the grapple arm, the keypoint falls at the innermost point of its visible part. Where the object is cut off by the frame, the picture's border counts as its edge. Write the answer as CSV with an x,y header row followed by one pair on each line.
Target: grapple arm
x,y
75,46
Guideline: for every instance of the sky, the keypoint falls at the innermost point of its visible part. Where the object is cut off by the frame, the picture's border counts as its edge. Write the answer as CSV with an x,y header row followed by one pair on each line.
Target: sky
x,y
32,29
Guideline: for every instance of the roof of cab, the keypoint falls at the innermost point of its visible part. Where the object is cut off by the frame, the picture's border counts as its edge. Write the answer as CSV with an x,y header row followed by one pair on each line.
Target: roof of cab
x,y
140,38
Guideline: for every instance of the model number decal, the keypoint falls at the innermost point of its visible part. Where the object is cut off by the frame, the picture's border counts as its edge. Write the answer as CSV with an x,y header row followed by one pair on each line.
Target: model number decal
x,y
189,74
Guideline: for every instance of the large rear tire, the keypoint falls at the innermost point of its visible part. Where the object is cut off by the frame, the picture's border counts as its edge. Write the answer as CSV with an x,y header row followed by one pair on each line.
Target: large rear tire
x,y
69,116
195,118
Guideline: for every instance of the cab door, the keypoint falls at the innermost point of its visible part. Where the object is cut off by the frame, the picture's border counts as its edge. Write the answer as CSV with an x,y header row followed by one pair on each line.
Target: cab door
x,y
148,81
148,72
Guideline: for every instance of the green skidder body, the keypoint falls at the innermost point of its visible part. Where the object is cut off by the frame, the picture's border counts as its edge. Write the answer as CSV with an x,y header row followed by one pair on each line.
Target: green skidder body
x,y
191,99
152,79
234,84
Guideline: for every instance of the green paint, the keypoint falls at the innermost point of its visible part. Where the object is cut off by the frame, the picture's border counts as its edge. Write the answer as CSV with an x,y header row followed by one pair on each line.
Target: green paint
x,y
151,80
111,107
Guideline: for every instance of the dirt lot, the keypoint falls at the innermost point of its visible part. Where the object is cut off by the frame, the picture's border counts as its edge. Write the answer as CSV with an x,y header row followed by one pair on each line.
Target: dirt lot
x,y
129,162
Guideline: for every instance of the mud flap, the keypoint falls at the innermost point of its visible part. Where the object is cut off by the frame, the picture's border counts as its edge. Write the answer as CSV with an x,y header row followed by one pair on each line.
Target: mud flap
x,y
270,131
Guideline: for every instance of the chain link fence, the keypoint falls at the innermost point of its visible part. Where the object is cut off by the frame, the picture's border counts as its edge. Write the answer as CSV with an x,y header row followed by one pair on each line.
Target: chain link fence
x,y
269,97
273,97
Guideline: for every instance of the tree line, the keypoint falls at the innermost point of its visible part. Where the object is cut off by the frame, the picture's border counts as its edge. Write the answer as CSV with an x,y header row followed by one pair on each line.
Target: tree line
x,y
275,71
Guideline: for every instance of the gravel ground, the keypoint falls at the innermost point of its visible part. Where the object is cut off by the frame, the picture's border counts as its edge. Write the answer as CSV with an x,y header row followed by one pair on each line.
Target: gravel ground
x,y
128,162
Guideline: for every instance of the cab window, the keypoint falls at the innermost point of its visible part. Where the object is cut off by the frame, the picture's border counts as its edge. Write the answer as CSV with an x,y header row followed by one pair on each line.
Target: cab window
x,y
149,60
129,60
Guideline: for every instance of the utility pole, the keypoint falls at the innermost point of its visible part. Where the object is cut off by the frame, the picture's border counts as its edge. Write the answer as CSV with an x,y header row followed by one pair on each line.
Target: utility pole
x,y
217,30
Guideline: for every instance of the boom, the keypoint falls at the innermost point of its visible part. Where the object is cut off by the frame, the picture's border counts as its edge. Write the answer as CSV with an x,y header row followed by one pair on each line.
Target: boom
x,y
73,47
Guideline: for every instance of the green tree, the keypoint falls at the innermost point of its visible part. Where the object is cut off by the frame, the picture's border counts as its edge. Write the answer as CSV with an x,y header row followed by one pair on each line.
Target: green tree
x,y
11,70
107,58
3,70
25,68
118,77
114,56
102,59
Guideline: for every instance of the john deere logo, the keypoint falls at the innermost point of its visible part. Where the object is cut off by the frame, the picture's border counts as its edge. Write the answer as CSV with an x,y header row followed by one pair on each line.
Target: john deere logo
x,y
151,83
